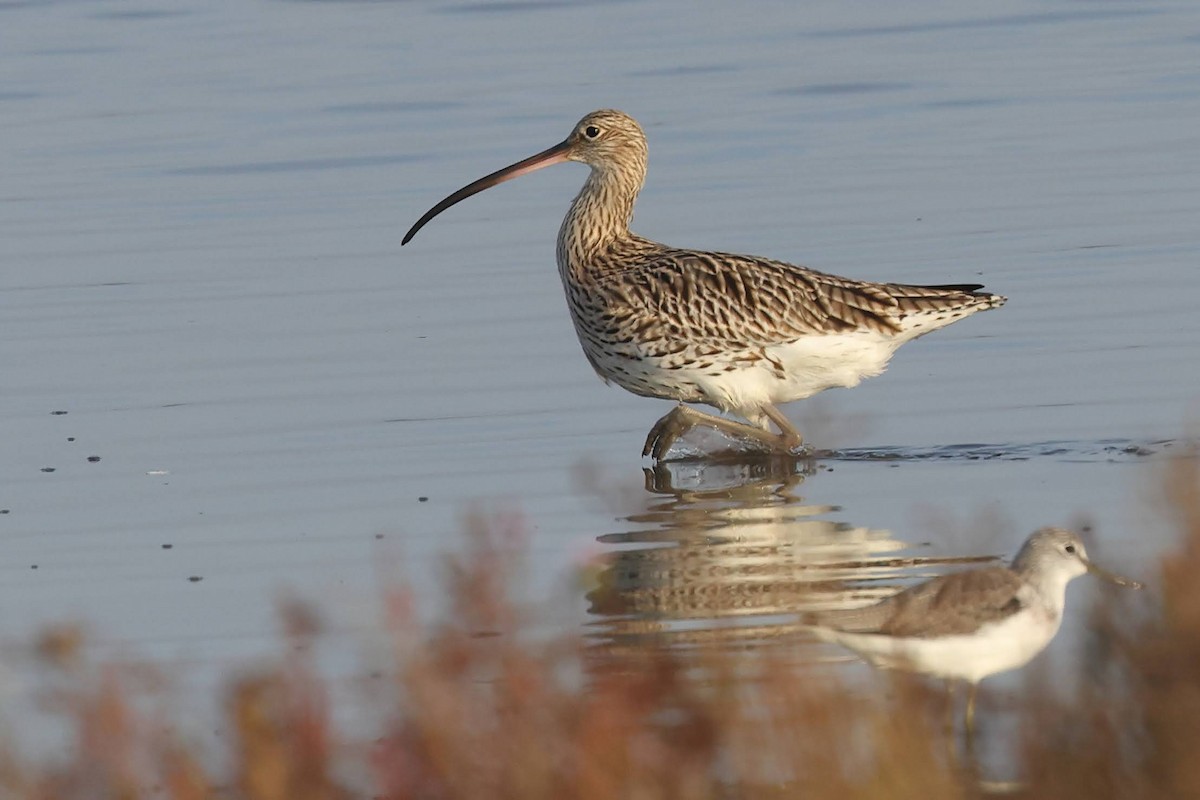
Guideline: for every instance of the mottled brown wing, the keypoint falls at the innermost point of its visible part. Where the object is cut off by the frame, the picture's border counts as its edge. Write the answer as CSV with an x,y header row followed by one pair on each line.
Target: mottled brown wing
x,y
732,300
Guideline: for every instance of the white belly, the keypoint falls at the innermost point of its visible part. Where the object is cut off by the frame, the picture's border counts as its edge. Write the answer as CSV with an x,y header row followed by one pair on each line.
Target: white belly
x,y
799,369
743,380
997,647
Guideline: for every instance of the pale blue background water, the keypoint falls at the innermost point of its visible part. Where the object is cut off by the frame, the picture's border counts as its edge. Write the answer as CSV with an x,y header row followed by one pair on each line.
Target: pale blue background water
x,y
201,206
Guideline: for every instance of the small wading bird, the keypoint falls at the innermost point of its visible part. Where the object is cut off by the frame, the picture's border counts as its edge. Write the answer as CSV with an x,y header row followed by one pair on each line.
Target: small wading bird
x,y
968,625
740,333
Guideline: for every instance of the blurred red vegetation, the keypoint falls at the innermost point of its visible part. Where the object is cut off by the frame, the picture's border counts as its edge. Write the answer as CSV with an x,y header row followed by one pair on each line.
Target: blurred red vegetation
x,y
479,707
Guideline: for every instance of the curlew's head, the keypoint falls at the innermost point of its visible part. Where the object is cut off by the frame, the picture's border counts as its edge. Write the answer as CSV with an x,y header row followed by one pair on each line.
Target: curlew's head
x,y
610,142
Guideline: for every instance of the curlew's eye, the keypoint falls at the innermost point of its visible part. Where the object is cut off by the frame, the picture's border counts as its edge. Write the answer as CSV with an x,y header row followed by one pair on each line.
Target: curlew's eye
x,y
1070,548
591,131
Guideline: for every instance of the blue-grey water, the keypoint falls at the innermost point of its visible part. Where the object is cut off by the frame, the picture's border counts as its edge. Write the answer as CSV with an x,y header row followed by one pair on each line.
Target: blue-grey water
x,y
223,381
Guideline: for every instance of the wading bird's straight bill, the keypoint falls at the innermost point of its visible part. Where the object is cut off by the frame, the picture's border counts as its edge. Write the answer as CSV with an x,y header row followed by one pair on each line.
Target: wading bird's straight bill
x,y
553,155
738,333
1112,577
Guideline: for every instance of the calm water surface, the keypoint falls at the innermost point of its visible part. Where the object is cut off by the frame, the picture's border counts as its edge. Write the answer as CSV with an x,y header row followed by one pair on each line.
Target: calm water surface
x,y
202,286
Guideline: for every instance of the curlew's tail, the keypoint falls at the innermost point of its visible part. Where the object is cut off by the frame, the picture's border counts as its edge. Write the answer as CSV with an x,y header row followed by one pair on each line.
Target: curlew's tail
x,y
944,298
927,308
969,289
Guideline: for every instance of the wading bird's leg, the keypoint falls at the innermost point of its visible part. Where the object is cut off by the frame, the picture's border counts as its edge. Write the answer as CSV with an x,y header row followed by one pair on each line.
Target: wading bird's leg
x,y
971,709
787,431
949,721
682,419
969,764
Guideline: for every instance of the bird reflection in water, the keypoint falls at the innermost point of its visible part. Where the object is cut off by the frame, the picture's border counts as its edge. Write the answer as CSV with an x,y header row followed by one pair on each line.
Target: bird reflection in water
x,y
729,553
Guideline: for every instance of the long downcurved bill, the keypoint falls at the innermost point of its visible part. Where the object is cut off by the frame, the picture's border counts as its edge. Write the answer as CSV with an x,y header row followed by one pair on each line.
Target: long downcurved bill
x,y
554,155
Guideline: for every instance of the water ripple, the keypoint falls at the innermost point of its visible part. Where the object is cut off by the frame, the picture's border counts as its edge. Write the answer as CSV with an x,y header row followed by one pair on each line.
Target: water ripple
x,y
1100,450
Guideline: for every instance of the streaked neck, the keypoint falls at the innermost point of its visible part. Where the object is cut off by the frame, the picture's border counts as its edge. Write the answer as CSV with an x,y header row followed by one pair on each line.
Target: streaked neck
x,y
599,217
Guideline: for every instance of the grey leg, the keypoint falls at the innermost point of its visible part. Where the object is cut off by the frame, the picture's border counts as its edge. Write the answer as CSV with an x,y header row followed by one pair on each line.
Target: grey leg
x,y
791,437
682,419
949,720
971,709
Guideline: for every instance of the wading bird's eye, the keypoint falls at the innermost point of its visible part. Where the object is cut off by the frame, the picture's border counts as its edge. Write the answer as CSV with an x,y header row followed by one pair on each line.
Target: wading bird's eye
x,y
1070,548
591,131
